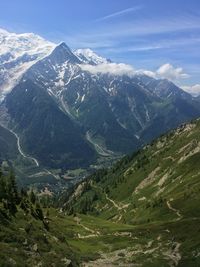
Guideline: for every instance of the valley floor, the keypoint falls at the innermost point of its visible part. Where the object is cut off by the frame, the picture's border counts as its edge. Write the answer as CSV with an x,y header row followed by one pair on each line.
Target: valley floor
x,y
89,241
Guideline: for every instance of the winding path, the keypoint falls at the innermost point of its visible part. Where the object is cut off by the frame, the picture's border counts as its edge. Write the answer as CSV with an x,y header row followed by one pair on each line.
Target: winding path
x,y
179,216
94,233
120,206
113,202
20,149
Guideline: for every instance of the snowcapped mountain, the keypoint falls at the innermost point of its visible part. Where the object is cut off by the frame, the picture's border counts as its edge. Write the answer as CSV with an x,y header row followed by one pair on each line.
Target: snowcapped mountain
x,y
19,44
17,53
90,57
66,115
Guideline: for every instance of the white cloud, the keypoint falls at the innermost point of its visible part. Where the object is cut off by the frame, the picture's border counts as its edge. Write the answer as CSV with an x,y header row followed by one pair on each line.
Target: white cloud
x,y
112,68
167,71
147,72
193,89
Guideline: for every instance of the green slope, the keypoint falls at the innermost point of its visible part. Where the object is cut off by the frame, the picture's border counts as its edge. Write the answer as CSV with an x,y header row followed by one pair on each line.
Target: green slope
x,y
157,186
167,169
142,212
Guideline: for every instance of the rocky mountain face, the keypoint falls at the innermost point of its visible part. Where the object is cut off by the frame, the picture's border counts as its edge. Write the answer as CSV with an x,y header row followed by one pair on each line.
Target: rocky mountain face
x,y
66,116
8,145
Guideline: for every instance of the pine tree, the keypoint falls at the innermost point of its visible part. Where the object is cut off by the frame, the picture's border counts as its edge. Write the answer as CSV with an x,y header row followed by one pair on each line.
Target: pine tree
x,y
39,211
32,197
12,197
13,188
23,193
3,193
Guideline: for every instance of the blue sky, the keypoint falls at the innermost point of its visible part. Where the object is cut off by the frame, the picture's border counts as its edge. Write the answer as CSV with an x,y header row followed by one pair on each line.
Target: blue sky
x,y
143,33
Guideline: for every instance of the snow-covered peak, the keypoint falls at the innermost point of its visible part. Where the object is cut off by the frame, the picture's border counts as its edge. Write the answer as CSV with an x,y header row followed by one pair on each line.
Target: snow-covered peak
x,y
88,56
25,43
63,53
2,31
18,52
64,46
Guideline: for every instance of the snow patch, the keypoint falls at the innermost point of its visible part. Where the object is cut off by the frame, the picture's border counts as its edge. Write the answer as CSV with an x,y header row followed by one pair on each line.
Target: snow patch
x,y
89,56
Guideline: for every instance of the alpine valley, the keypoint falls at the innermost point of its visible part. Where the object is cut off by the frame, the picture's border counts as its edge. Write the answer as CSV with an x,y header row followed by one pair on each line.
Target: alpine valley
x,y
144,211
97,167
59,119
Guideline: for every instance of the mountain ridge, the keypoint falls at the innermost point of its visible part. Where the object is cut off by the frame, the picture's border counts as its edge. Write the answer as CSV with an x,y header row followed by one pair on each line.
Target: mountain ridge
x,y
111,114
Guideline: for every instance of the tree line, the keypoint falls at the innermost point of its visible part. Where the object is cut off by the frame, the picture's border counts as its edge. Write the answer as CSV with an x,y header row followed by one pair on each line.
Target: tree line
x,y
12,200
